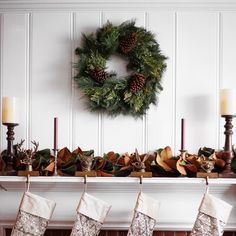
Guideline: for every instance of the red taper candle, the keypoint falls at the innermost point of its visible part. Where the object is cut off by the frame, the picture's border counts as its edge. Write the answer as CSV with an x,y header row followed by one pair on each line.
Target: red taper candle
x,y
182,134
55,147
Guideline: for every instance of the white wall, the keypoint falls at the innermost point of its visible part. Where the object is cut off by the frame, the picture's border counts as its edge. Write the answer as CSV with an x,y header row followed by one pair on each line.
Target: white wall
x,y
38,39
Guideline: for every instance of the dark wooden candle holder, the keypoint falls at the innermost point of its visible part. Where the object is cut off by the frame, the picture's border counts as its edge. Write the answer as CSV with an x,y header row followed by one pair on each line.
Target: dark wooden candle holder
x,y
10,156
228,149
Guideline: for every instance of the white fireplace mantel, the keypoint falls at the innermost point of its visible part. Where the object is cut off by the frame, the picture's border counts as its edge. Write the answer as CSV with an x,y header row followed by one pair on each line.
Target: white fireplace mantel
x,y
179,197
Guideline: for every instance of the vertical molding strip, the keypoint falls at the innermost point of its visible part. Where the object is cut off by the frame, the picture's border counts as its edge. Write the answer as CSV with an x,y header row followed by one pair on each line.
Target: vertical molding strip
x,y
219,51
145,117
100,115
72,74
27,79
1,74
174,78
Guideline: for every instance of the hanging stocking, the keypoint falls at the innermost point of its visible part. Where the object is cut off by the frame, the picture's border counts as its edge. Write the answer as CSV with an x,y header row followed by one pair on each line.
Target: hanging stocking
x,y
91,213
145,216
33,215
212,217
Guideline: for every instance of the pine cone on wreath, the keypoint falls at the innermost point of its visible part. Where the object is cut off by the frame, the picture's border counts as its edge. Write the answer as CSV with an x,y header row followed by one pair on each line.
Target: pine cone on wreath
x,y
99,75
127,43
137,82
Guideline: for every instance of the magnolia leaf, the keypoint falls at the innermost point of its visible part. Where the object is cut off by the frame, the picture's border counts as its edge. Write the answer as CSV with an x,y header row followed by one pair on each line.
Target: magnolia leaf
x,y
159,171
111,156
166,153
103,174
193,159
205,151
213,156
191,168
122,173
221,164
233,164
126,168
108,166
70,170
171,163
45,152
64,154
180,167
100,163
124,160
1,164
183,163
78,150
41,162
116,167
50,167
161,163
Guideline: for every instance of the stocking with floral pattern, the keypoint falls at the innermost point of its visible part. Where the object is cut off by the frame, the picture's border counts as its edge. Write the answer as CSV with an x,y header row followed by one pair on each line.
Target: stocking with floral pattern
x,y
91,213
145,216
212,217
33,215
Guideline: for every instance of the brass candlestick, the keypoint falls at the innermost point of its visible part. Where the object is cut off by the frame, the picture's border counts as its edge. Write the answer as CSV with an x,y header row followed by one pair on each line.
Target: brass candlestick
x,y
228,149
183,153
55,153
10,156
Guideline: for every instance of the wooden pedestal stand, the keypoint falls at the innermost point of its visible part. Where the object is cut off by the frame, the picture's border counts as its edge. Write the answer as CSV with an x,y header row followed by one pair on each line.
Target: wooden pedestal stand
x,y
228,150
28,173
10,157
141,174
91,173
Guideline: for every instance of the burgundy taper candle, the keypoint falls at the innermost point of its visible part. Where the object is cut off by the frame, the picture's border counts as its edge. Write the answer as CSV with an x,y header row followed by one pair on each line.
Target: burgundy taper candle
x,y
182,134
55,147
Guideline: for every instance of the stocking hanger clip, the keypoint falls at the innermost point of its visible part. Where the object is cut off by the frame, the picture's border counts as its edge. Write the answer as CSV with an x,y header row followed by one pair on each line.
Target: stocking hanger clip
x,y
3,188
85,183
207,184
28,182
141,182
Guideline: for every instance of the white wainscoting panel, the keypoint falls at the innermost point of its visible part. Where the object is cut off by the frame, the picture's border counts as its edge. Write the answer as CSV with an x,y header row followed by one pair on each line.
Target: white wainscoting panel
x,y
228,50
14,64
51,82
196,82
161,118
86,126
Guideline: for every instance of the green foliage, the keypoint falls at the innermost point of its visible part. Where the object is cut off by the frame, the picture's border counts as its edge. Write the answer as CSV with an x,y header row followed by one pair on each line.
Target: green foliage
x,y
205,151
69,170
114,96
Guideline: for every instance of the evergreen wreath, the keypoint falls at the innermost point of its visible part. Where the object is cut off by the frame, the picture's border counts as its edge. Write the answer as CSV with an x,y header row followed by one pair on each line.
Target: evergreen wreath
x,y
132,94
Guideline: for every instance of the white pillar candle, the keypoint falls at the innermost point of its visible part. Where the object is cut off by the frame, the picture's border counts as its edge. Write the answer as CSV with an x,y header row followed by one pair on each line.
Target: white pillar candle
x,y
228,102
10,110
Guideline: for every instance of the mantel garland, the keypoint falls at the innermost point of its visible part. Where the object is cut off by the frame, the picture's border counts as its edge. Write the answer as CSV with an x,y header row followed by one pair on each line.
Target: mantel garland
x,y
161,162
129,95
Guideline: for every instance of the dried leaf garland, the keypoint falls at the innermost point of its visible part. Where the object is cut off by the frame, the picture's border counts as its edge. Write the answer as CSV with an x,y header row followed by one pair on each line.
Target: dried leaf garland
x,y
160,163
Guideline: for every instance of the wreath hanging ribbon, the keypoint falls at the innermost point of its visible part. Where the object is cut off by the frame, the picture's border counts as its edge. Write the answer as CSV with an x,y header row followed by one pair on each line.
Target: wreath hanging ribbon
x,y
129,95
